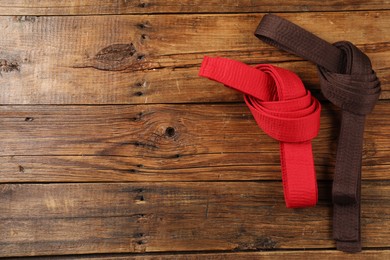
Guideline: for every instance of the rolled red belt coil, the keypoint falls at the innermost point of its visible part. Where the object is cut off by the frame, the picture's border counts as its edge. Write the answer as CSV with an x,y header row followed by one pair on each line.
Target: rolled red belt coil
x,y
286,111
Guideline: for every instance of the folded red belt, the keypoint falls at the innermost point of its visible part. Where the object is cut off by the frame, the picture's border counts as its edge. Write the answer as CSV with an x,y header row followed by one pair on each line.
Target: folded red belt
x,y
348,81
286,111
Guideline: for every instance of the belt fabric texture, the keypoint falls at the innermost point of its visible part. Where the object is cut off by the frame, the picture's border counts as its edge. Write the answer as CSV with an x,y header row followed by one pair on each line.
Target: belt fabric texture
x,y
286,111
348,81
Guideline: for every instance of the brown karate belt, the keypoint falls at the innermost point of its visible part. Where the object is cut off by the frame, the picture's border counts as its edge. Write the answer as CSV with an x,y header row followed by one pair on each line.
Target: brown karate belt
x,y
348,81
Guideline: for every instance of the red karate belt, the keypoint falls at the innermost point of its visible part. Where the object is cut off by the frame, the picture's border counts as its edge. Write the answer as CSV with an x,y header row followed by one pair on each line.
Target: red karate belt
x,y
286,111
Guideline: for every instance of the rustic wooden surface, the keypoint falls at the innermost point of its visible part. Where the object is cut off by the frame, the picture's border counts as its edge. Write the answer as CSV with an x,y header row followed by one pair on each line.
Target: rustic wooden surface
x,y
318,254
185,216
113,148
87,7
88,59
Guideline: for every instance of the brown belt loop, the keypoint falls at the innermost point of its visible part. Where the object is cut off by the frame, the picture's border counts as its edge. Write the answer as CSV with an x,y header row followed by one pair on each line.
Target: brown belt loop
x,y
348,81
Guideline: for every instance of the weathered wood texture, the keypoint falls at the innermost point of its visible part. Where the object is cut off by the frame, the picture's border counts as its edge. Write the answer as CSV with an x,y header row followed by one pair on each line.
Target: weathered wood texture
x,y
294,255
155,59
55,219
107,101
163,142
81,7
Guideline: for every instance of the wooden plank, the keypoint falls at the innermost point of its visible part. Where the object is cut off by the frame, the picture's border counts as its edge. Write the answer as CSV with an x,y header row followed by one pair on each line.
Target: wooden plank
x,y
55,219
163,142
155,59
294,255
82,7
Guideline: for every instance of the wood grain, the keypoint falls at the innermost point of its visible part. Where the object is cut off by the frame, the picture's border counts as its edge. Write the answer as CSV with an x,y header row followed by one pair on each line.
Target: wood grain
x,y
294,255
39,219
113,148
83,7
155,59
163,142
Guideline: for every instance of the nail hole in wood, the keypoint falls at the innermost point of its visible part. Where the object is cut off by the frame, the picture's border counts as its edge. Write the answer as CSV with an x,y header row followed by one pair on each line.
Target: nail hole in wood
x,y
29,119
140,198
139,84
141,25
139,235
170,131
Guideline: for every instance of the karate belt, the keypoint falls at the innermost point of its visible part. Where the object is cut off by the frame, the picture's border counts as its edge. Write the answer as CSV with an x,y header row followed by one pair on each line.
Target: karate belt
x,y
286,111
348,81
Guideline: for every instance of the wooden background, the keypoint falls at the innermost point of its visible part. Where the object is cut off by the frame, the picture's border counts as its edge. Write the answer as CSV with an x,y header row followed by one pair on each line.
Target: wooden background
x,y
113,147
